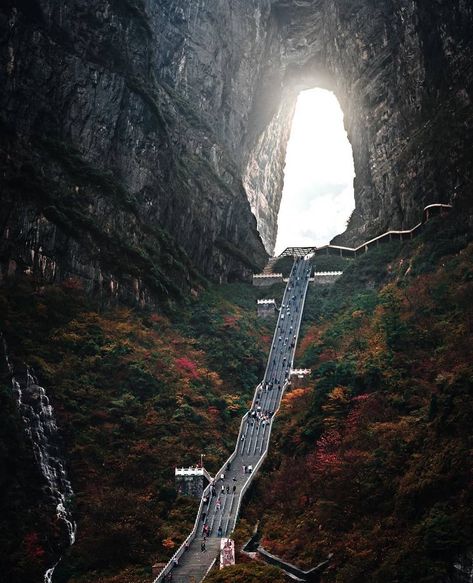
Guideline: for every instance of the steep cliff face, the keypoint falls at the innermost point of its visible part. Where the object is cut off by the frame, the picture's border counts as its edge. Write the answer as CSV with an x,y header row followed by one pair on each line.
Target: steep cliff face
x,y
111,167
402,73
136,135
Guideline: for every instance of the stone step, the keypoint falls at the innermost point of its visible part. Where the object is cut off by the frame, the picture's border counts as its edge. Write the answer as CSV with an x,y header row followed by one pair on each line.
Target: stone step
x,y
195,563
221,509
269,266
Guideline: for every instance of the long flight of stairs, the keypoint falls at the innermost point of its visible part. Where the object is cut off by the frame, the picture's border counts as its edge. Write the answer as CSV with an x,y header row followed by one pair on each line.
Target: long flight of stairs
x,y
194,564
220,505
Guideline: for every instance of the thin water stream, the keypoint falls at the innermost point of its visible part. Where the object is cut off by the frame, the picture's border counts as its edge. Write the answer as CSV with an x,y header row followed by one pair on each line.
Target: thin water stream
x,y
40,426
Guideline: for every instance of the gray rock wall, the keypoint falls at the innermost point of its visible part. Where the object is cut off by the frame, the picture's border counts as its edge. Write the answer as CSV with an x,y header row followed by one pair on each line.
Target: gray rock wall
x,y
402,72
140,138
119,124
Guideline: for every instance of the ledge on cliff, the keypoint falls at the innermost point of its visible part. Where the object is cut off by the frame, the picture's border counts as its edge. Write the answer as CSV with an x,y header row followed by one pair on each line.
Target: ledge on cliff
x,y
189,105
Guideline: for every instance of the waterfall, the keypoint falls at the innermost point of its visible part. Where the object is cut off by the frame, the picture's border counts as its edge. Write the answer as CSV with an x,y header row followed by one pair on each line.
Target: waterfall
x,y
40,426
48,576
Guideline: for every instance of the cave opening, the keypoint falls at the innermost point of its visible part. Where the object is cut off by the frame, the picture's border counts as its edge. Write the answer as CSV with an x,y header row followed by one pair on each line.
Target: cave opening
x,y
317,197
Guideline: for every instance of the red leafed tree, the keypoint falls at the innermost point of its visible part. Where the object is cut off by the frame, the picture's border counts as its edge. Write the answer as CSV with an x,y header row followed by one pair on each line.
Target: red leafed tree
x,y
327,454
33,546
187,366
230,321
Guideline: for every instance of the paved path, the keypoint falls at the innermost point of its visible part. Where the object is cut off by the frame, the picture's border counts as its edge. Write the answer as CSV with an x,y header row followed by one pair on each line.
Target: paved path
x,y
219,508
269,266
430,211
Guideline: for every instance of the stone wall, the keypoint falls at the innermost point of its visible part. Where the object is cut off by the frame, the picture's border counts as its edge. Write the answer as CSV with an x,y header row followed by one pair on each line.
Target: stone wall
x,y
266,308
267,280
326,277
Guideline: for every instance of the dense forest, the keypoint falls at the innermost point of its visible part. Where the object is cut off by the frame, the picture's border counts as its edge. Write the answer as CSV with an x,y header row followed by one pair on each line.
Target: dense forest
x,y
371,460
136,393
143,155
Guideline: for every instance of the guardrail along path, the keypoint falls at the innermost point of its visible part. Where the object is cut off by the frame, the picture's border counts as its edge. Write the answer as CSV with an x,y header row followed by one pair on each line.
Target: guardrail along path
x,y
221,500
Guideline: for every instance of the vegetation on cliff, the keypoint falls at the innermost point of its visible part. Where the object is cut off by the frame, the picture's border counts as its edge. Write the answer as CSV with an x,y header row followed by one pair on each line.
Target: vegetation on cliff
x,y
135,394
373,459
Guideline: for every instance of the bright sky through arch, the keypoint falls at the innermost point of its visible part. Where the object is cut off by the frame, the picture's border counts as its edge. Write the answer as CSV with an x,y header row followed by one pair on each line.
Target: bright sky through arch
x,y
318,185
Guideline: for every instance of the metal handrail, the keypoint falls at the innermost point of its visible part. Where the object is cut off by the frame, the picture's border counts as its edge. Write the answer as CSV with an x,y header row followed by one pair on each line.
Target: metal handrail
x,y
180,551
378,238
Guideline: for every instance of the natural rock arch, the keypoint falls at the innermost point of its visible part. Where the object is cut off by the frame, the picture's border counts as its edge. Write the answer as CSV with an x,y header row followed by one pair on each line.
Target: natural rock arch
x,y
406,102
173,108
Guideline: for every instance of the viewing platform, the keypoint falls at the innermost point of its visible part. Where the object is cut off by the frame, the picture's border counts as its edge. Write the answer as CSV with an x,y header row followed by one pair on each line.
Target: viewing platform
x,y
266,308
299,377
191,481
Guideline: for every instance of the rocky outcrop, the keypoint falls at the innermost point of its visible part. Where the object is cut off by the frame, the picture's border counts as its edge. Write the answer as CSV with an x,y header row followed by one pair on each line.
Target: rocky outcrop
x,y
401,71
141,138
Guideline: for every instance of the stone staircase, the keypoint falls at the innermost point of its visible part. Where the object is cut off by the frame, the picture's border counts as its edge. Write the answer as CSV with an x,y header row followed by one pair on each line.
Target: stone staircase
x,y
219,509
194,563
268,270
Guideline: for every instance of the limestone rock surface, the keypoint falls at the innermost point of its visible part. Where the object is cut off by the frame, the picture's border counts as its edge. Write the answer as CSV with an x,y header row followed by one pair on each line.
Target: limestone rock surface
x,y
140,138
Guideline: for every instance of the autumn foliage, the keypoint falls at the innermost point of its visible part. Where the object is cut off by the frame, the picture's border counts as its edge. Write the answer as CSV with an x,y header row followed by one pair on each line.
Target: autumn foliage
x,y
373,463
135,394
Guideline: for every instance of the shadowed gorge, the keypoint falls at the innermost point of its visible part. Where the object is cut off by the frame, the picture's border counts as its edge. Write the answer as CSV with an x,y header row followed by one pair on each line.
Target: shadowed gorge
x,y
135,133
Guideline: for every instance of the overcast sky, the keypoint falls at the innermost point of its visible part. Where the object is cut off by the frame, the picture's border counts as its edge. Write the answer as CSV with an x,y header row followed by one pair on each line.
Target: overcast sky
x,y
318,187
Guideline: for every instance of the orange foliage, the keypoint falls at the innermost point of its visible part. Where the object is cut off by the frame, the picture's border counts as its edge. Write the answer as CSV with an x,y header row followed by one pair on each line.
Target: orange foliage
x,y
290,397
377,476
327,355
311,337
230,321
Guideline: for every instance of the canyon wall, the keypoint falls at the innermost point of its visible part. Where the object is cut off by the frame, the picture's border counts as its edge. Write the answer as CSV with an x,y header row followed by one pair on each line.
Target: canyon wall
x,y
120,126
402,72
142,138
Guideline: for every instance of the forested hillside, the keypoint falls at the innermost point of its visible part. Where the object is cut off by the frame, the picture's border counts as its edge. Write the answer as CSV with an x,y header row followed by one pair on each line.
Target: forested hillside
x,y
135,394
373,460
